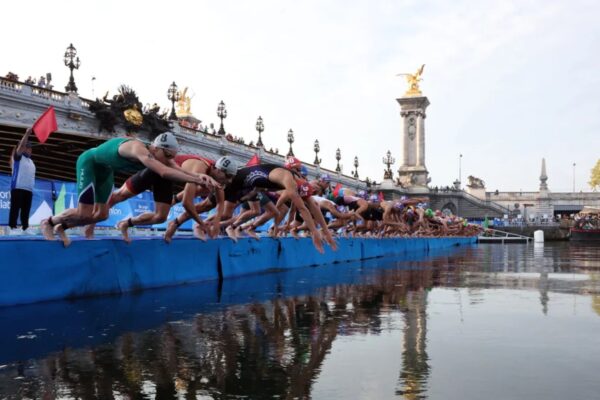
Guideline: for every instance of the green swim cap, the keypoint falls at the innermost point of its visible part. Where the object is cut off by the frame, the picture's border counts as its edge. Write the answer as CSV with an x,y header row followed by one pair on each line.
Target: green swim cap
x,y
429,213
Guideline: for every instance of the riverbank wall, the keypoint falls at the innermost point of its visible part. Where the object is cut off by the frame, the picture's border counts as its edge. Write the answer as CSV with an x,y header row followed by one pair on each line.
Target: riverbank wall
x,y
34,270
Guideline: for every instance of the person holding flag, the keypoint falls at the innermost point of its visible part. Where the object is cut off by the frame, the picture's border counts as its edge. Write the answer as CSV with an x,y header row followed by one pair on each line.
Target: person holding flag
x,y
23,169
22,182
95,176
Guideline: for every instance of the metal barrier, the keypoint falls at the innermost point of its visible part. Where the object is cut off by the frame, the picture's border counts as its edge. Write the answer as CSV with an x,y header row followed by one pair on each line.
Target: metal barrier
x,y
498,236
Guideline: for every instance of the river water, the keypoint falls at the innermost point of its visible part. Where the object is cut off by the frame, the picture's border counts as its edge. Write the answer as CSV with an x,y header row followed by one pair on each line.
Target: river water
x,y
482,322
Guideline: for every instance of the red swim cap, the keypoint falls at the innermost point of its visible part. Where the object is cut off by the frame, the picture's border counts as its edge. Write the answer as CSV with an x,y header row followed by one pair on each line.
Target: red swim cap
x,y
305,190
292,162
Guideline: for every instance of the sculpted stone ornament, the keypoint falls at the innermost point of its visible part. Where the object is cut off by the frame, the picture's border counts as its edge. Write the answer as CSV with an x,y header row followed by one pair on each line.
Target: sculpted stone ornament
x,y
475,183
406,180
412,130
126,109
413,82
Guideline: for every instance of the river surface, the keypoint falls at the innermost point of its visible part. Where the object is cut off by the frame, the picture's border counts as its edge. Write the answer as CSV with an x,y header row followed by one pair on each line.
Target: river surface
x,y
482,322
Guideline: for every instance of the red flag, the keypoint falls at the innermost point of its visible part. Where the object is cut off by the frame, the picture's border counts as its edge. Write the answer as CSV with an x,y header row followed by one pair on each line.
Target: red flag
x,y
336,190
255,160
45,125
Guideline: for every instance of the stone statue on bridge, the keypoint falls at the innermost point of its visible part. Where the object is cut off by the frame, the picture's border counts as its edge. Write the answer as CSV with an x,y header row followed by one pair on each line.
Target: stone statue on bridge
x,y
475,183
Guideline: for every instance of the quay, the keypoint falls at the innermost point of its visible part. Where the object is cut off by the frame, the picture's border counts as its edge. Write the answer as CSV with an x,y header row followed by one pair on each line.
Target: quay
x,y
111,266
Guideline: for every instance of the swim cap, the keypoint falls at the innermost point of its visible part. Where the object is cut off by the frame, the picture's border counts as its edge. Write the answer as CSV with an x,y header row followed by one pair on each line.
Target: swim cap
x,y
292,162
429,213
166,141
226,165
304,188
325,178
304,171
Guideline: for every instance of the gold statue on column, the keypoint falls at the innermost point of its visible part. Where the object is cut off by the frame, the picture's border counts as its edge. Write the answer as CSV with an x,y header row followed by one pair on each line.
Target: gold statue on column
x,y
413,82
184,104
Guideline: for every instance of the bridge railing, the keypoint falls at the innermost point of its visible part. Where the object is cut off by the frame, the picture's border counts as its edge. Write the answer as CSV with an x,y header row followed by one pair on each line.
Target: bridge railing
x,y
526,223
485,203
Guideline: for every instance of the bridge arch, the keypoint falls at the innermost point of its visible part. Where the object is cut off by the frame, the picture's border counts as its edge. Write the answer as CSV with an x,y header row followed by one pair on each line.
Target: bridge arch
x,y
450,206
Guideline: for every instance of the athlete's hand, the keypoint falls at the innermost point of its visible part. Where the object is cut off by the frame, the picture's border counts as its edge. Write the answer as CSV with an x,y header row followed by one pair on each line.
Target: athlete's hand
x,y
318,243
208,181
214,229
330,240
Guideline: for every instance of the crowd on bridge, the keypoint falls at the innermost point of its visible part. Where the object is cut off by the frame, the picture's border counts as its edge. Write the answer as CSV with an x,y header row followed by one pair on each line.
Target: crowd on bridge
x,y
243,197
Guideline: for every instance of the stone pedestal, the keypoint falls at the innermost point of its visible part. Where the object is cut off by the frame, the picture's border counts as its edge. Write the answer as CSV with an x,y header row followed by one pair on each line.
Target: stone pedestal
x,y
544,206
413,173
478,192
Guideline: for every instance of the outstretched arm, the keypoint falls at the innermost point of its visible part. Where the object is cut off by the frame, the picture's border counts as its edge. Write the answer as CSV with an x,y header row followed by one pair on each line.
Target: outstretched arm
x,y
23,143
140,152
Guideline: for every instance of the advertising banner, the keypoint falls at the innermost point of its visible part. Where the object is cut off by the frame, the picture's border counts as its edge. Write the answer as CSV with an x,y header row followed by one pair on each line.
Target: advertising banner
x,y
41,205
66,197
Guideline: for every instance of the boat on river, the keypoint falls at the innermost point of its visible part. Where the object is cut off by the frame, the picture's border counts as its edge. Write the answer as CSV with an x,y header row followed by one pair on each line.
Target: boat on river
x,y
587,225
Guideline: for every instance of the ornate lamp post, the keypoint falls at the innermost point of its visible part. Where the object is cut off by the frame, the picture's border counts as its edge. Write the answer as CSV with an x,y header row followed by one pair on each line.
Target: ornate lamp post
x,y
338,157
290,139
459,171
173,96
72,62
388,160
260,127
574,165
317,148
356,167
221,113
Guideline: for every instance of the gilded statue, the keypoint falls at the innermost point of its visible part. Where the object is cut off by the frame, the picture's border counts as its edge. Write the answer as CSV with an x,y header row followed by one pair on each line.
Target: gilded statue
x,y
184,104
413,82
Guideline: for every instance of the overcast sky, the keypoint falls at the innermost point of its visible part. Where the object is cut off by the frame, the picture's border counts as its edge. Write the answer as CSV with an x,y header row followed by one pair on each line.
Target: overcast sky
x,y
509,82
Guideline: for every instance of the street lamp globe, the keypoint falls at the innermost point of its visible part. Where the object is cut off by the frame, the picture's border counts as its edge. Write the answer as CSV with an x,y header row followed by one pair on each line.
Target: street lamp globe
x,y
72,62
316,149
173,96
221,113
290,139
260,127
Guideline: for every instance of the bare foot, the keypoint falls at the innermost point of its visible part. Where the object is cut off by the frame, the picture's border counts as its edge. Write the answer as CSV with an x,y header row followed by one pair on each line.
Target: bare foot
x,y
46,230
62,235
88,231
171,229
250,232
231,233
123,226
199,233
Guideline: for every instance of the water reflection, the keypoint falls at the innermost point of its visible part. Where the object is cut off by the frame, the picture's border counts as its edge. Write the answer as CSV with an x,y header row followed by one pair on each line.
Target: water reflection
x,y
276,345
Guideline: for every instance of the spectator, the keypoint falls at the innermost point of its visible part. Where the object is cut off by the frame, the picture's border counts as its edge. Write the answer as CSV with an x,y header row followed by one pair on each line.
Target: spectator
x,y
42,82
22,182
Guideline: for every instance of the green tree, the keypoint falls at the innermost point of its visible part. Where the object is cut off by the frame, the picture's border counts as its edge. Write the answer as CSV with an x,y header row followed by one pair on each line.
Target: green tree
x,y
595,176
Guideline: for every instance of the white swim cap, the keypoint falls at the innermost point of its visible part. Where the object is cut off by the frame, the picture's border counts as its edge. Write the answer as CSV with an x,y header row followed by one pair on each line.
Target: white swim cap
x,y
166,141
227,165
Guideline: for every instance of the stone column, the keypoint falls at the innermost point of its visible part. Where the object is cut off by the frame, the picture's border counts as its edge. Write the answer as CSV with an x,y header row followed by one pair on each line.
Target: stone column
x,y
413,173
405,139
421,140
